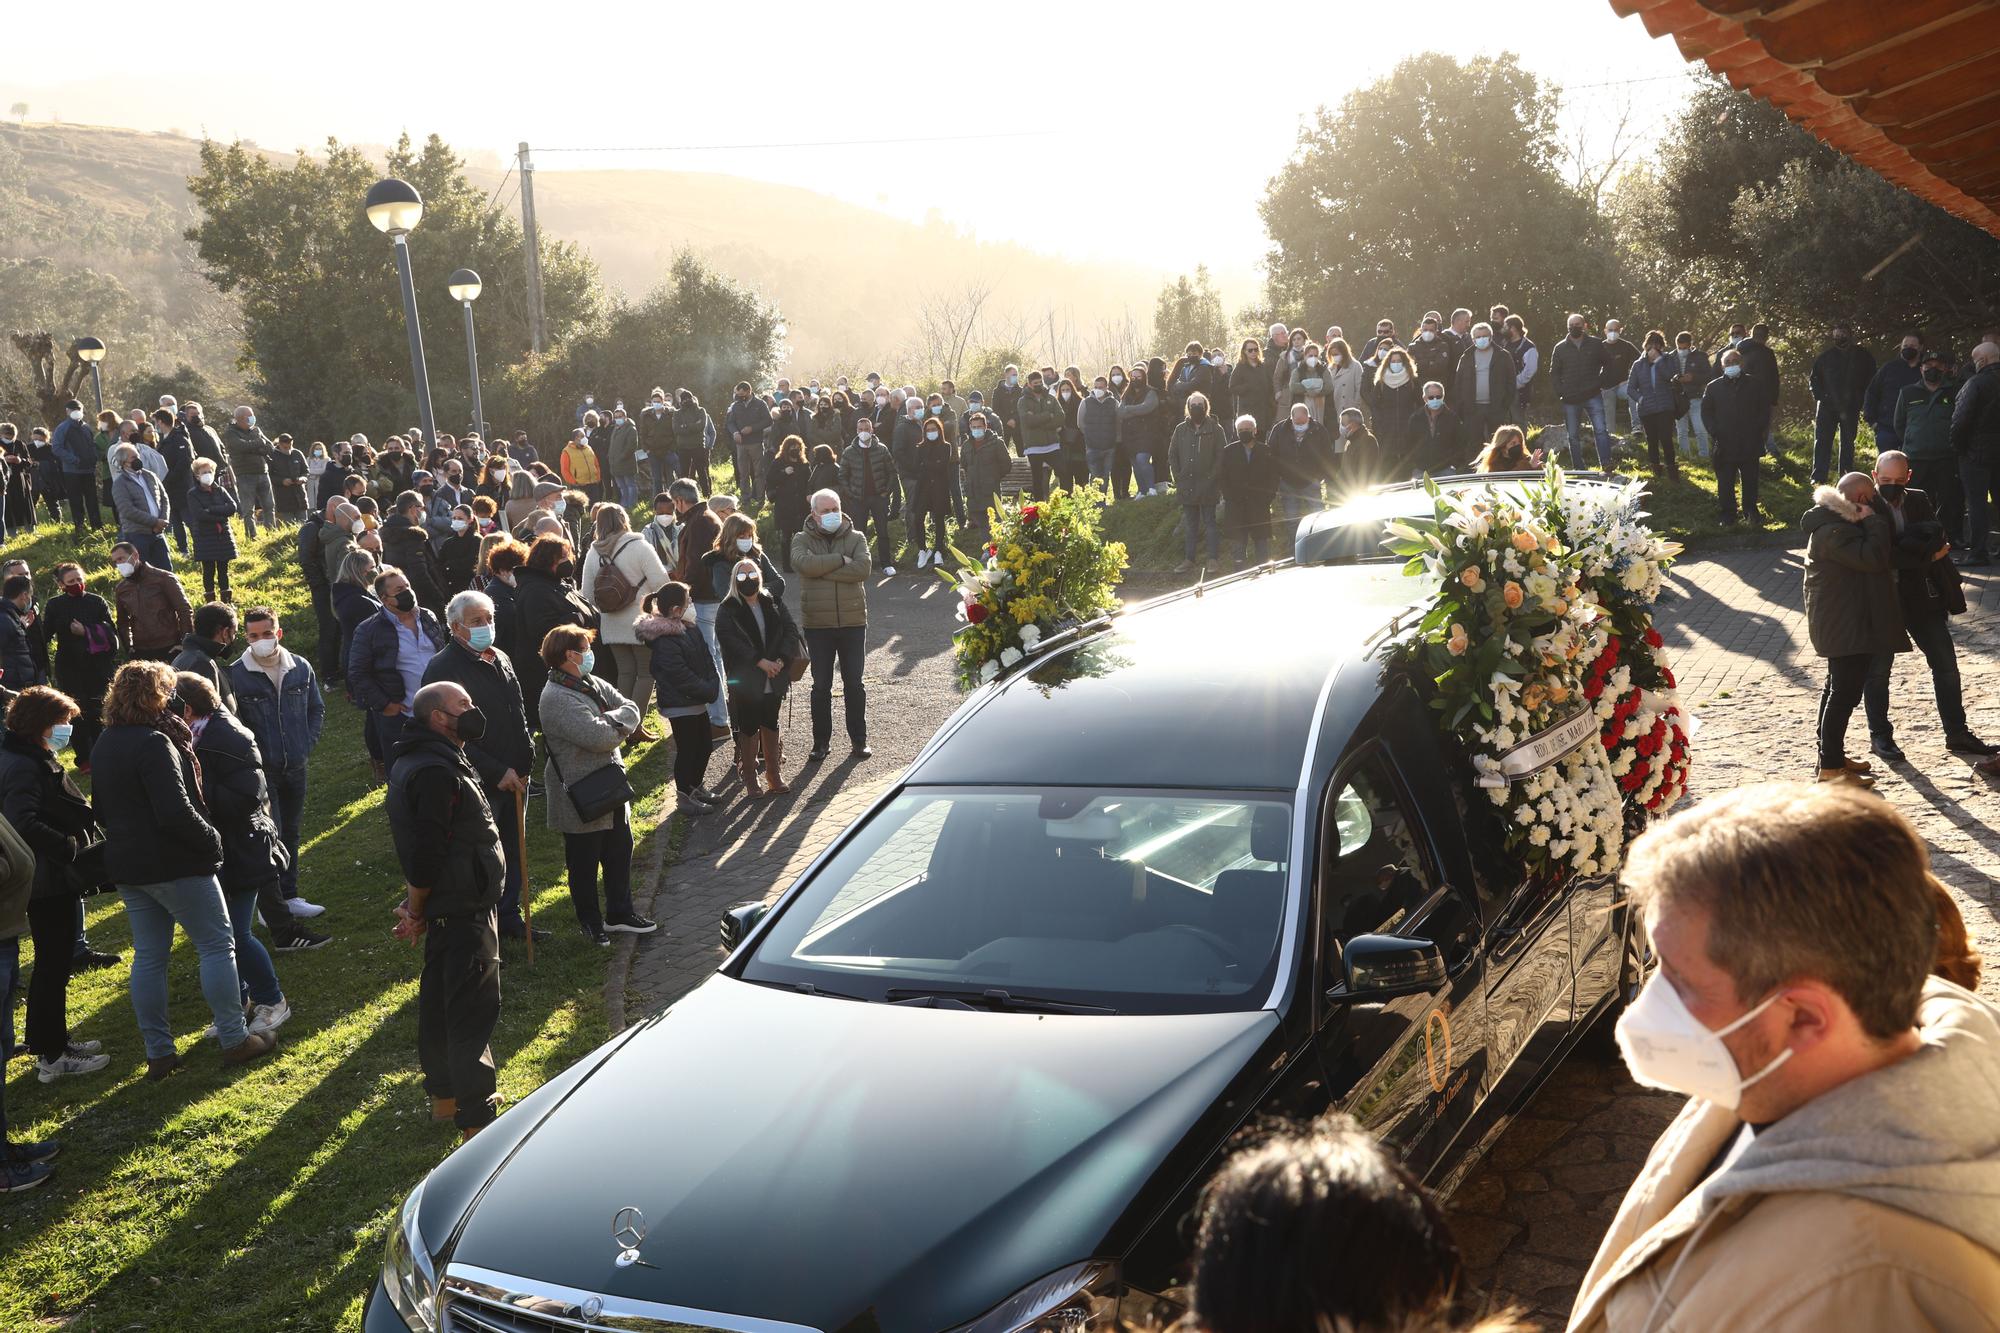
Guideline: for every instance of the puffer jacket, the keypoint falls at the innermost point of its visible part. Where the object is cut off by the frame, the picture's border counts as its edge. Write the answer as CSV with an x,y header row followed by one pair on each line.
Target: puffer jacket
x,y
1975,418
1850,579
1650,385
232,777
1576,369
685,676
1195,454
203,657
1041,418
833,573
858,466
1098,420
248,449
145,792
45,808
987,463
209,509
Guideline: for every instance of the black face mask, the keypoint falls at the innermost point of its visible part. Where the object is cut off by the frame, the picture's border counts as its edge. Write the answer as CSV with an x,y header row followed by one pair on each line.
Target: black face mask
x,y
1912,353
747,587
565,569
1197,411
1932,375
404,600
469,725
1891,491
1247,436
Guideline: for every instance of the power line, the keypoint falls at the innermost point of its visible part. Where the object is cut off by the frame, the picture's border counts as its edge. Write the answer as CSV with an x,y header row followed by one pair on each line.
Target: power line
x,y
501,186
805,143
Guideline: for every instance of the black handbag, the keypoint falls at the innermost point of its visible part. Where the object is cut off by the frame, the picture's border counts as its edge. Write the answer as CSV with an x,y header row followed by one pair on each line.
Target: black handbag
x,y
86,873
597,793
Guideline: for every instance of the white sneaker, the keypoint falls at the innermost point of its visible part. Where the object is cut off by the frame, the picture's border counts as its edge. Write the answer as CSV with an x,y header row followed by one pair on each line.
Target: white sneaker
x,y
300,907
923,559
270,1017
249,1010
51,1070
937,559
85,1047
889,569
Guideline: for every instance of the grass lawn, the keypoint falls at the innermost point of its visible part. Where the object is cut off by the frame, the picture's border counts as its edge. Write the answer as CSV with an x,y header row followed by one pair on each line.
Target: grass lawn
x,y
260,1199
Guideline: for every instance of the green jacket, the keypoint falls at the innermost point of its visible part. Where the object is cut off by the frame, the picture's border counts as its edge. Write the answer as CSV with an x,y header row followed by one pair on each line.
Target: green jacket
x,y
249,450
624,444
833,575
1923,419
1041,418
1851,602
1195,454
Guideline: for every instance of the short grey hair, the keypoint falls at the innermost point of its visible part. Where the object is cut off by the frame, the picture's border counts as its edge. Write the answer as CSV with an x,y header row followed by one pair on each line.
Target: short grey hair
x,y
455,609
121,454
1246,420
685,491
820,495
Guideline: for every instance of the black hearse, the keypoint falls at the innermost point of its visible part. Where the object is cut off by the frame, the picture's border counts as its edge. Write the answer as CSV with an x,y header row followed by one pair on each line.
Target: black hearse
x,y
1207,862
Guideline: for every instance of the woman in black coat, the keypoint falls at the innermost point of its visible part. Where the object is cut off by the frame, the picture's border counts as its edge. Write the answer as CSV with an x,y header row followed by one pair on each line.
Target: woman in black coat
x,y
759,640
1391,405
686,683
53,818
210,506
1250,387
83,652
458,554
730,546
790,484
543,600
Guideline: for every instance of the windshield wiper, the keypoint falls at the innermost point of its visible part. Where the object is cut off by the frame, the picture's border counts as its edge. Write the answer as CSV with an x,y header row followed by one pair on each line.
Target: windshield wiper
x,y
994,997
807,988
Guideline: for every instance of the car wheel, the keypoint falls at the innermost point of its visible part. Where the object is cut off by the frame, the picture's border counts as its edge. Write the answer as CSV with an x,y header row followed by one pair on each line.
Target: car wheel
x,y
1635,964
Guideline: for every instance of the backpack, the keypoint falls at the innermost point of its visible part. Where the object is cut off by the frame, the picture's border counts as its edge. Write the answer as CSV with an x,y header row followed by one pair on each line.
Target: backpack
x,y
611,590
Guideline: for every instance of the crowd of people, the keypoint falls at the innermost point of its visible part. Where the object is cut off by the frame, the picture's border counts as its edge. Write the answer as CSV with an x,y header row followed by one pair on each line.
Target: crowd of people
x,y
507,629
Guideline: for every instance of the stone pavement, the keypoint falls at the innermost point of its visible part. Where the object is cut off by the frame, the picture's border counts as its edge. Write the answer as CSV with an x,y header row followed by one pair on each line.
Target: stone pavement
x,y
1530,1216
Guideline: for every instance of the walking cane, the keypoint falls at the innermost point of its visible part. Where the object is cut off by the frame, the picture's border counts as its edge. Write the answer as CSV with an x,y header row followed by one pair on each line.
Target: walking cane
x,y
527,917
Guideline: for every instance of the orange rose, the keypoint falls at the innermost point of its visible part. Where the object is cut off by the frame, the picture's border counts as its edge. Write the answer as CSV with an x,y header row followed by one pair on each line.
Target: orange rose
x,y
1523,541
1458,642
1511,594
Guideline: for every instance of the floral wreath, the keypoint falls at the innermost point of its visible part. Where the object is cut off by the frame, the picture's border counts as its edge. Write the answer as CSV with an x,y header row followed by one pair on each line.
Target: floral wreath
x,y
1521,642
1045,568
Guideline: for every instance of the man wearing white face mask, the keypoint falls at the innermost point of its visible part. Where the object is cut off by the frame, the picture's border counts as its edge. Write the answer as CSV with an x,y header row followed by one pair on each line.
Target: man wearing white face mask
x,y
831,556
278,697
1837,1166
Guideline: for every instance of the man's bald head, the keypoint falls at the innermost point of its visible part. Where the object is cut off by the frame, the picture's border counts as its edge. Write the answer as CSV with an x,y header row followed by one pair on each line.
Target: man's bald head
x,y
1892,467
1985,354
438,705
1857,486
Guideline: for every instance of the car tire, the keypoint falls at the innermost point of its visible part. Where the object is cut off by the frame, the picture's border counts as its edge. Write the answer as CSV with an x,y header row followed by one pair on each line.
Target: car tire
x,y
1635,964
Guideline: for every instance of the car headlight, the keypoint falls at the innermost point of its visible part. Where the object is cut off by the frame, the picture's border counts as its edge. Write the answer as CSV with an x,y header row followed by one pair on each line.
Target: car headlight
x,y
408,1276
1082,1298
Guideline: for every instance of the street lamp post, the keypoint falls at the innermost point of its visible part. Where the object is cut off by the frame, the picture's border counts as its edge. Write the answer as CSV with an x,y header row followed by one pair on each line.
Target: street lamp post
x,y
395,207
464,286
90,351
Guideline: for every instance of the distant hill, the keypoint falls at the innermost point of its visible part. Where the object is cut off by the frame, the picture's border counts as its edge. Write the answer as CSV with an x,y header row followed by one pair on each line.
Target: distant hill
x,y
848,279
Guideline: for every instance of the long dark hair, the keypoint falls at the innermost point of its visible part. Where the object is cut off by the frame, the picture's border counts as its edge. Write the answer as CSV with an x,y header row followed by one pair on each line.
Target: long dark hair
x,y
1135,383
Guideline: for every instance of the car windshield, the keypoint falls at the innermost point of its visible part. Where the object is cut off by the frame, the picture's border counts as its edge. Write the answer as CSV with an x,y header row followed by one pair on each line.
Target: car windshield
x,y
1133,901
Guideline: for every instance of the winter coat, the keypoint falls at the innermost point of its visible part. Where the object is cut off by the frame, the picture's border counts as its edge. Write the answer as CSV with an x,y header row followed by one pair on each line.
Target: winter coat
x,y
692,433
495,691
1195,454
1840,377
45,808
656,435
1186,377
147,798
636,560
1734,413
1463,387
129,492
1975,418
934,471
579,464
1437,444
1928,588
1851,604
584,723
1005,401
17,653
1097,418
1878,404
1249,477
1041,417
790,485
75,447
743,646
866,469
1434,360
624,444
1140,425
1855,1211
833,572
1250,392
1923,419
288,466
77,671
685,677
373,677
203,657
1760,363
903,442
209,509
1302,461
751,416
698,533
232,781
1393,408
458,556
545,602
986,468
247,450
1343,389
285,720
1650,386
1282,368
406,544
828,429
442,826
718,571
177,447
153,611
1576,369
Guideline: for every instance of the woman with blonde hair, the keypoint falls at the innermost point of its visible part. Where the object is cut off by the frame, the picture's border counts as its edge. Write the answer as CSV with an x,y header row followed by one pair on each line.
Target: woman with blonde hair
x,y
1507,452
619,548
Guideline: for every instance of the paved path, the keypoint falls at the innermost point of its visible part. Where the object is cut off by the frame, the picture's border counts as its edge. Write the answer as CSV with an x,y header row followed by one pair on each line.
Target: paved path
x,y
1530,1217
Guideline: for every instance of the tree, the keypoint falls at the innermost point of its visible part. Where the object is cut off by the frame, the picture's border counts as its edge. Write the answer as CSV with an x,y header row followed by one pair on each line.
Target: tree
x,y
946,324
323,335
1188,312
19,111
698,330
184,382
1435,187
53,381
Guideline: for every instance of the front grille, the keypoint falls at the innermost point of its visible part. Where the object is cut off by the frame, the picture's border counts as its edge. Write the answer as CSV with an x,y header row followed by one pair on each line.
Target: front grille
x,y
477,1300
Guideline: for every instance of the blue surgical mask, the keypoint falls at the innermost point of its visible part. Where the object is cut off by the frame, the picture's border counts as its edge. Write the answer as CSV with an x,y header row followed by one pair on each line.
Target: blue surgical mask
x,y
1482,343
59,735
830,522
480,637
979,432
587,664
1732,371
1434,403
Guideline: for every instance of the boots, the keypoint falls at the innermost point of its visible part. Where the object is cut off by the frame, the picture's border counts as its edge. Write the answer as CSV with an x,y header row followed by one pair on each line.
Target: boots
x,y
774,756
746,764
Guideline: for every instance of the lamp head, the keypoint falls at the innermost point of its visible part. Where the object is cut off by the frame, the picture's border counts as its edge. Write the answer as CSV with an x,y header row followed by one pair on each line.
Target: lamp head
x,y
464,285
89,349
394,206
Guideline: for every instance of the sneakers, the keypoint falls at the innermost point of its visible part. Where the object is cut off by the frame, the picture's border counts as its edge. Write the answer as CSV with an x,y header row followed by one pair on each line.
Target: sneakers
x,y
85,1047
269,1017
597,937
298,940
48,1071
889,569
300,907
254,1046
630,923
709,795
923,559
44,1151
17,1176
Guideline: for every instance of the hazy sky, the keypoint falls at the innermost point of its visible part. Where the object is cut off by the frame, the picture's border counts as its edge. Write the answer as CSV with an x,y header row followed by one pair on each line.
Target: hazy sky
x,y
1186,110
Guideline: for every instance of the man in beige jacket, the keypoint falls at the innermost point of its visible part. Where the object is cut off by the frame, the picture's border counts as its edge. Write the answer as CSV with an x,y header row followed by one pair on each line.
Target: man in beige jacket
x,y
1838,1164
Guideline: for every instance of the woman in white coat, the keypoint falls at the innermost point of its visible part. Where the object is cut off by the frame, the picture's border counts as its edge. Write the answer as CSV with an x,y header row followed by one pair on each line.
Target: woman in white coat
x,y
617,625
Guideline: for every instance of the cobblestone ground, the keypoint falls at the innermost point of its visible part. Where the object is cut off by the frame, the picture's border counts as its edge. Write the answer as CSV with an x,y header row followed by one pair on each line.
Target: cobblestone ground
x,y
1531,1216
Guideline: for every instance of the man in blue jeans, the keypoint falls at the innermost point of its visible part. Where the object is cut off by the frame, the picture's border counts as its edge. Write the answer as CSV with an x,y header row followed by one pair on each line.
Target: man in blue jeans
x,y
831,556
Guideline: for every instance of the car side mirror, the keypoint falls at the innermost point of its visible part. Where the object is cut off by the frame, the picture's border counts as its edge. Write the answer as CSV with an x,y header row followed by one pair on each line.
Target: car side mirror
x,y
739,921
1380,967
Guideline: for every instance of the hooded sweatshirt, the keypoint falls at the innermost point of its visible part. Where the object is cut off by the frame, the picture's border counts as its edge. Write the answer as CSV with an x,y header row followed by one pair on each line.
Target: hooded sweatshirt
x,y
1874,1206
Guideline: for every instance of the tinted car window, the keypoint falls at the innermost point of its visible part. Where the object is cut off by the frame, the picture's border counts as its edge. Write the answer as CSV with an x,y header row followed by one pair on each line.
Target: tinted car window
x,y
1138,901
1377,876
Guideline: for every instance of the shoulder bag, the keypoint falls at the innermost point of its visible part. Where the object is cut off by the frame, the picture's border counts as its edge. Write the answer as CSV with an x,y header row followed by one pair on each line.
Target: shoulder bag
x,y
597,793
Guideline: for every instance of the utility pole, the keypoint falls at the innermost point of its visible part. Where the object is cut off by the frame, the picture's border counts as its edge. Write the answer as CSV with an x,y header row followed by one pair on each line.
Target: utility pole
x,y
531,245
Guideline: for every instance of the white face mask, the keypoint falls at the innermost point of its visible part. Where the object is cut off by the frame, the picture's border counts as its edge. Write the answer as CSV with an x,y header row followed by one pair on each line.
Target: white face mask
x,y
1665,1046
125,569
1096,392
664,520
744,544
559,507
359,525
1428,335
264,649
459,525
205,478
687,612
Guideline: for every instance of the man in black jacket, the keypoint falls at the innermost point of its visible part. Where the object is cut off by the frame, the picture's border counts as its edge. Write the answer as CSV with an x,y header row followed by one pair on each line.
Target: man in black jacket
x,y
1249,485
203,648
504,755
1616,367
456,871
177,448
1840,379
406,544
1927,586
1760,364
1732,410
1975,438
